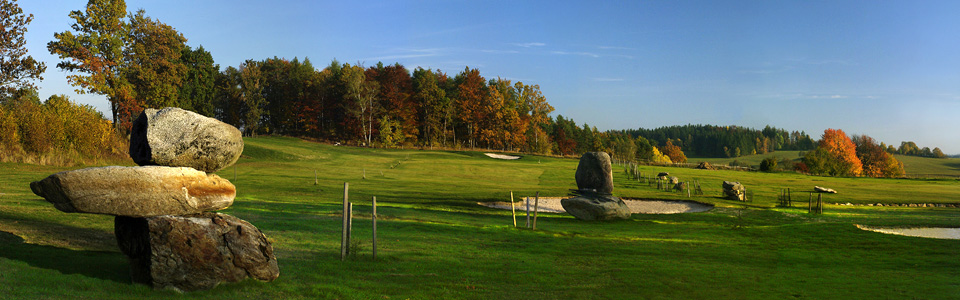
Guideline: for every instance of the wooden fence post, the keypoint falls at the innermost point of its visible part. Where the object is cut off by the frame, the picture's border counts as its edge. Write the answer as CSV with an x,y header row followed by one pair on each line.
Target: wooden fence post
x,y
513,210
349,227
527,199
343,240
374,217
536,206
316,180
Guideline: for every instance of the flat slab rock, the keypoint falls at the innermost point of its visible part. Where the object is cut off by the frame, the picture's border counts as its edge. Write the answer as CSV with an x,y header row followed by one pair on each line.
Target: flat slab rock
x,y
180,138
194,252
596,208
136,191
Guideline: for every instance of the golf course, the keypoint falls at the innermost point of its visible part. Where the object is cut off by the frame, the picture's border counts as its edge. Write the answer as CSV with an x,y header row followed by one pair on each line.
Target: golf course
x,y
435,241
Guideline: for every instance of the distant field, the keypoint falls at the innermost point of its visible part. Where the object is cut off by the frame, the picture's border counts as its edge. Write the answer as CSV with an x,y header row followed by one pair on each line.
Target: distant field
x,y
437,243
753,160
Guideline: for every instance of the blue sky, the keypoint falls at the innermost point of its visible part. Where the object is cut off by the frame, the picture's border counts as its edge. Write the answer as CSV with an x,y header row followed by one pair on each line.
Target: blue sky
x,y
887,69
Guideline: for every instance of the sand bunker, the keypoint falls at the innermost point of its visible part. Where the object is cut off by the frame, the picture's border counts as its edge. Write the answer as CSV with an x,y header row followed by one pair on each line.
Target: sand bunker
x,y
501,156
552,205
926,232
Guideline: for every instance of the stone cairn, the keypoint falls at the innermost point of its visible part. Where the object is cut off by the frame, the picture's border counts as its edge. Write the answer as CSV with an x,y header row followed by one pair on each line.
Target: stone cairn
x,y
595,200
164,220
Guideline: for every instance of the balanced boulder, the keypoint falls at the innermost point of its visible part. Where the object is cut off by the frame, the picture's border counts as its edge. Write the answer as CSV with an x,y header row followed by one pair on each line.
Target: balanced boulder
x,y
594,173
181,138
136,191
194,252
596,208
734,191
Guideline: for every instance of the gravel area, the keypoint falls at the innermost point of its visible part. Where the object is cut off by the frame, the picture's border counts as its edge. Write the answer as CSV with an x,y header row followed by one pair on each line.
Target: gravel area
x,y
926,232
501,156
552,205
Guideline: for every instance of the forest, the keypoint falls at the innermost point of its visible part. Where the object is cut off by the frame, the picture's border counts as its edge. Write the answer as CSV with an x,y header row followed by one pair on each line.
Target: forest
x,y
139,62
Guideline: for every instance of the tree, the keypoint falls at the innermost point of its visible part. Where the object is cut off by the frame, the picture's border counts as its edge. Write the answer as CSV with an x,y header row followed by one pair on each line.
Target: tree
x,y
674,152
152,61
16,67
197,92
252,105
95,53
875,159
768,164
361,95
539,112
471,90
937,153
657,157
836,155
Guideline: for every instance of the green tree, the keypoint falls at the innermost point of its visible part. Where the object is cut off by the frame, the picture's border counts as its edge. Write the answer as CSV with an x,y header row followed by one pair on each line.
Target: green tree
x,y
431,102
93,51
152,62
198,91
16,67
768,164
252,104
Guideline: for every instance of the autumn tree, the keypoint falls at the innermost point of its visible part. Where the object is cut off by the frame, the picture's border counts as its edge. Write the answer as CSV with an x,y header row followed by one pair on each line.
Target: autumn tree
x,y
875,159
538,113
93,52
471,89
361,95
674,152
17,68
836,155
396,98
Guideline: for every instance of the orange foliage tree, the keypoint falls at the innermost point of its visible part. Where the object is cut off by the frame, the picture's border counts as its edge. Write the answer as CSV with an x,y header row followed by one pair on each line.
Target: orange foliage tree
x,y
836,155
876,161
674,152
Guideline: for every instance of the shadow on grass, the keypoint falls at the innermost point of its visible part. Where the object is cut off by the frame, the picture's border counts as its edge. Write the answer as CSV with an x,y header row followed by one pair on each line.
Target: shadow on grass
x,y
97,264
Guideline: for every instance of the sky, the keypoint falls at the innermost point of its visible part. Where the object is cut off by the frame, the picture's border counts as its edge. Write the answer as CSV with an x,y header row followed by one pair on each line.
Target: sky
x,y
887,69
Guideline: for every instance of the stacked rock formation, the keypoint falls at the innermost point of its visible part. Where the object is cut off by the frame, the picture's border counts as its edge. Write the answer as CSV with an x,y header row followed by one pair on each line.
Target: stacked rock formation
x,y
164,220
595,200
734,191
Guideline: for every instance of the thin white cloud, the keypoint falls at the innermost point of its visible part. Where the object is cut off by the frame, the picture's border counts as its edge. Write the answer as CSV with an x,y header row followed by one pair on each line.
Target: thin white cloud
x,y
408,53
500,51
594,55
528,45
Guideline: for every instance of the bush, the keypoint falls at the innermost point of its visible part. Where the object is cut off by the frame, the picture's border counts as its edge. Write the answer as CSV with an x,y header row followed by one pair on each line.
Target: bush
x,y
768,164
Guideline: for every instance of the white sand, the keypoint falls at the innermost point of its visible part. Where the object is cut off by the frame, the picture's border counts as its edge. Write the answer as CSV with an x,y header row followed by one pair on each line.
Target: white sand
x,y
501,156
552,205
927,232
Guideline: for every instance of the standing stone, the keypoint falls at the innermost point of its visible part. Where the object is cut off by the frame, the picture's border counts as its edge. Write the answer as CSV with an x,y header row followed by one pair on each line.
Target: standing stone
x,y
180,138
136,191
594,173
596,208
194,252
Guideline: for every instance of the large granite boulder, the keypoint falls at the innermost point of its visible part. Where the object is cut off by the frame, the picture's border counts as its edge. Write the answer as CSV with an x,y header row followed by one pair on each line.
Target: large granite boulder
x,y
179,138
734,191
596,208
194,252
136,191
594,173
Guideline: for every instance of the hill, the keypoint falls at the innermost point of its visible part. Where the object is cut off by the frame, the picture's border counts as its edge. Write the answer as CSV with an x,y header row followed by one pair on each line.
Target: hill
x,y
436,242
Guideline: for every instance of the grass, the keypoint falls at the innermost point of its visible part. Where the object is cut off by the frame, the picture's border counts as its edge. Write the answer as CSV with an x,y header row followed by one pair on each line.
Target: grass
x,y
435,242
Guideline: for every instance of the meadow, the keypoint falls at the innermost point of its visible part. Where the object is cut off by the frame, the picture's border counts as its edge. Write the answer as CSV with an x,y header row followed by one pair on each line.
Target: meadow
x,y
436,242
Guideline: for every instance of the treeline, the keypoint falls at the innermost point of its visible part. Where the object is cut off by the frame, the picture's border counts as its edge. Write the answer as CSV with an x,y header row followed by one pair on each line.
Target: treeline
x,y
911,148
726,141
55,132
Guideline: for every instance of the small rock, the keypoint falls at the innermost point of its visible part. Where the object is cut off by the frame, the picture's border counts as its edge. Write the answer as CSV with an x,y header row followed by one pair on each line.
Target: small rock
x,y
673,180
594,173
819,189
136,191
599,208
180,138
194,252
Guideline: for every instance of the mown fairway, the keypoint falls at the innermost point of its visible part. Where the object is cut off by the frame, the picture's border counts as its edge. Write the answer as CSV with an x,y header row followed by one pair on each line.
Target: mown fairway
x,y
437,243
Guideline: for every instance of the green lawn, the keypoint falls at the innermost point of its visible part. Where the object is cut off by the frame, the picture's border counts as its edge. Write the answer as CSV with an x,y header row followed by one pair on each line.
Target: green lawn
x,y
435,242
